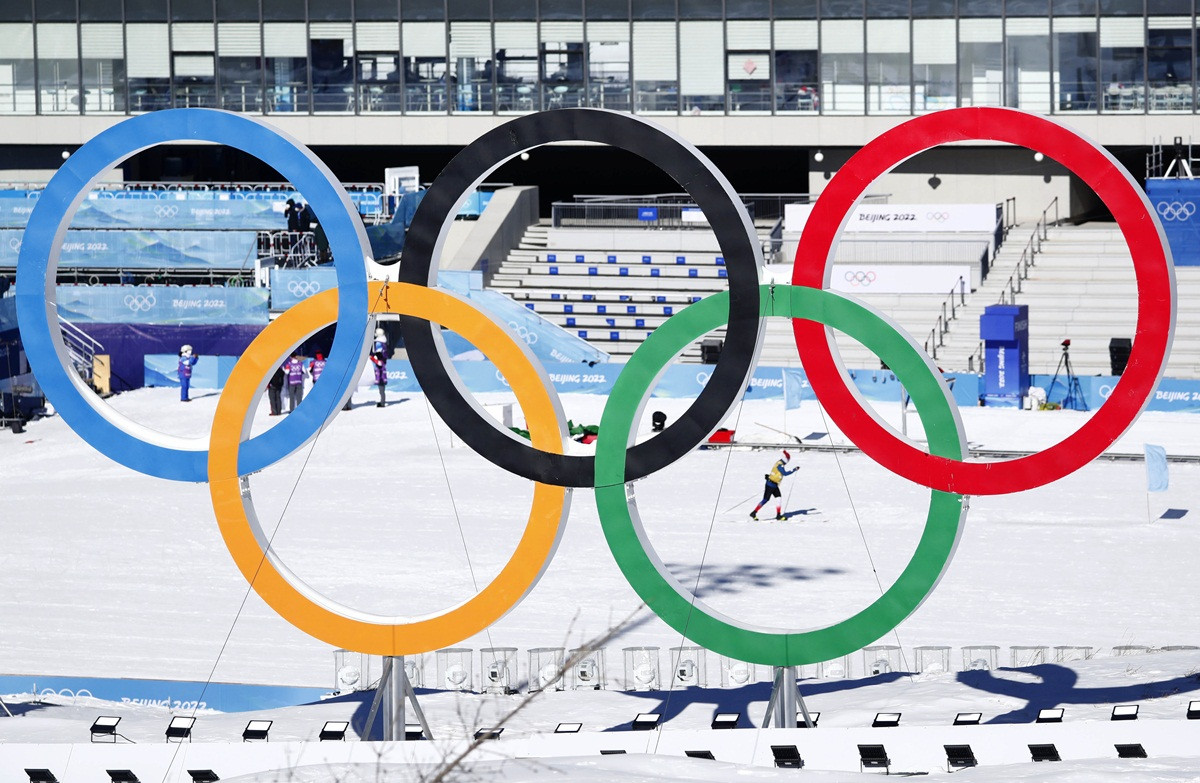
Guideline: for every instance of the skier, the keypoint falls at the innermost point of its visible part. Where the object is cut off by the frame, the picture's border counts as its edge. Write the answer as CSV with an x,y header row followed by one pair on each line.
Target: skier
x,y
774,478
187,360
379,359
316,366
295,381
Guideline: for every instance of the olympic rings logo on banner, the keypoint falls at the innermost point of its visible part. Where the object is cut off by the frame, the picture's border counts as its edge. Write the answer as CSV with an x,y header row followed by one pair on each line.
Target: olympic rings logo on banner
x,y
860,278
140,303
1174,210
523,332
168,210
227,460
938,217
15,243
303,288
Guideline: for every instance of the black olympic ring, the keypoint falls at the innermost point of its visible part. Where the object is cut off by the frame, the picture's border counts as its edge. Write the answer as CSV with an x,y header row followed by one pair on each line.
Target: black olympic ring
x,y
711,191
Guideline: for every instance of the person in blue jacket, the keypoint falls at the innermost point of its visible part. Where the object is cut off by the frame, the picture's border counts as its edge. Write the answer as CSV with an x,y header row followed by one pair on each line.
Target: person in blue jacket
x,y
774,479
187,360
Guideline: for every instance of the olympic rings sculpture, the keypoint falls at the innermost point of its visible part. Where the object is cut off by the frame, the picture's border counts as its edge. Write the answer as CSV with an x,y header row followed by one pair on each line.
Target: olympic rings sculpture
x,y
229,457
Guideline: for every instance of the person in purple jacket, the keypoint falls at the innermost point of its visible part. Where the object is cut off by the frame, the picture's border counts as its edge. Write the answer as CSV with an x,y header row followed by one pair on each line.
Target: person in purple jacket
x,y
187,360
316,366
294,368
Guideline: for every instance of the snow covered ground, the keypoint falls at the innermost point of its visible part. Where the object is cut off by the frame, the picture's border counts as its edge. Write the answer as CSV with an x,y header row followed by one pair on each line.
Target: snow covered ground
x,y
106,572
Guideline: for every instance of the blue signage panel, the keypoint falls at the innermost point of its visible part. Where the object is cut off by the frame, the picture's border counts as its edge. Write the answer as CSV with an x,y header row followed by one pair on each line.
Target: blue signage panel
x,y
98,249
1176,202
1004,330
647,213
162,304
174,695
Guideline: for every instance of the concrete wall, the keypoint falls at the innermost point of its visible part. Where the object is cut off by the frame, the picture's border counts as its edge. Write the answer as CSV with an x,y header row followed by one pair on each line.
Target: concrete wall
x,y
497,231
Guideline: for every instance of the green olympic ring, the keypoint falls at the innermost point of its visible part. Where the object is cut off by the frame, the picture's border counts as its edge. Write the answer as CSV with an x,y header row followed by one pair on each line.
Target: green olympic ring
x,y
674,603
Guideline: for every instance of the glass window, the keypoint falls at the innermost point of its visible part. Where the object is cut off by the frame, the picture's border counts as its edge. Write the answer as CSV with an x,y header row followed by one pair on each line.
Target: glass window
x,y
1074,74
700,9
842,66
1029,8
100,11
835,9
795,9
607,9
148,61
796,86
377,52
473,71
1169,68
329,11
280,10
608,65
655,71
191,10
516,64
933,65
702,67
103,47
513,9
980,62
1121,8
1123,63
17,11
748,66
18,92
654,9
331,66
55,10
239,66
747,9
1027,64
478,10
376,11
237,11
424,10
285,51
887,9
562,9
889,67
58,69
561,57
424,50
194,67
1074,7
978,8
931,8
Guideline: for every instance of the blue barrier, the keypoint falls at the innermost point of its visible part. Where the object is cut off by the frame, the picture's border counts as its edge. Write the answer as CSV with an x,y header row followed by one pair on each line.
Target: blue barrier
x,y
209,372
175,695
366,202
146,214
98,249
1176,201
165,304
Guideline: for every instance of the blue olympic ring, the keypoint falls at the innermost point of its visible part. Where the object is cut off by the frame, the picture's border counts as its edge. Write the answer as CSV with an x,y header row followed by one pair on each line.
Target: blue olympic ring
x,y
116,436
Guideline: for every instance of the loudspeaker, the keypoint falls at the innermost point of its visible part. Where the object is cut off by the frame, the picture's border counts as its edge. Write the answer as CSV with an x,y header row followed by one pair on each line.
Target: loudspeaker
x,y
1118,353
658,421
710,351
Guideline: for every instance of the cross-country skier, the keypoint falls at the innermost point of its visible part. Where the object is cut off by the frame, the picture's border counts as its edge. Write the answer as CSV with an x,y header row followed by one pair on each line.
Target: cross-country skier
x,y
774,479
187,360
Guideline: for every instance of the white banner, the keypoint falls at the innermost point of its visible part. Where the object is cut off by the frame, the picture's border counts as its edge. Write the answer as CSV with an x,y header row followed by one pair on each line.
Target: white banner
x,y
898,278
893,218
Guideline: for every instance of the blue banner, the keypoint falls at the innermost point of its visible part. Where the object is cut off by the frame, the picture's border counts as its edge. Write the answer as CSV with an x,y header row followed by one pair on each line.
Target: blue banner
x,y
366,202
1156,468
209,372
143,214
1176,201
166,304
95,249
174,695
291,286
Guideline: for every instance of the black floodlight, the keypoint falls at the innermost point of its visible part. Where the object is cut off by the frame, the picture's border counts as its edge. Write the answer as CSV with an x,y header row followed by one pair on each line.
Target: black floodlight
x,y
886,720
203,776
1133,750
960,756
873,757
968,718
489,734
180,728
122,776
334,730
814,716
1124,712
413,731
787,756
568,728
1044,753
1193,711
726,720
105,726
611,752
645,721
41,776
257,730
1050,715
700,754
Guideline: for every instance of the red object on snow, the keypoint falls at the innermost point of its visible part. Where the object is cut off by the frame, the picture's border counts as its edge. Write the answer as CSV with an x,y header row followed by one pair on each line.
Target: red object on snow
x,y
588,438
721,436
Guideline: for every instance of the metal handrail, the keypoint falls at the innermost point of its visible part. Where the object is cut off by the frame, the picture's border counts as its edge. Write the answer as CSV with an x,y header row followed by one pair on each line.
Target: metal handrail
x,y
937,335
81,347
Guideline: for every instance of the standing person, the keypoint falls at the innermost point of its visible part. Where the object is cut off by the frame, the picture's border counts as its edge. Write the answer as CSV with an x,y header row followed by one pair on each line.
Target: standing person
x,y
379,359
295,381
187,360
774,478
275,391
292,213
316,366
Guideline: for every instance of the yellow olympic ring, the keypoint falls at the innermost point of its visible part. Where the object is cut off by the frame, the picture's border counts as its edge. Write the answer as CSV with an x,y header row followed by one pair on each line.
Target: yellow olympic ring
x,y
288,595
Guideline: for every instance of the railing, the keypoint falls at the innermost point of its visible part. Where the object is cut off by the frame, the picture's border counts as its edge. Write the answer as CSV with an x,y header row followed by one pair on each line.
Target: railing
x,y
670,210
81,348
954,300
289,248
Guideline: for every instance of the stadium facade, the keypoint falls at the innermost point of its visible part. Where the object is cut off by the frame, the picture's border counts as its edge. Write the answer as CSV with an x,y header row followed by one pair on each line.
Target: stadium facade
x,y
762,84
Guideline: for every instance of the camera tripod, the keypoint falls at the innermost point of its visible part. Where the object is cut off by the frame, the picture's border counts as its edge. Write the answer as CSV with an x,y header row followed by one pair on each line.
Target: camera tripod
x,y
1073,399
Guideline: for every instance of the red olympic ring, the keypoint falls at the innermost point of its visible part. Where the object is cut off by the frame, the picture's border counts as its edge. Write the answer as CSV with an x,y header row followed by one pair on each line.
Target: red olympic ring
x,y
1152,264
